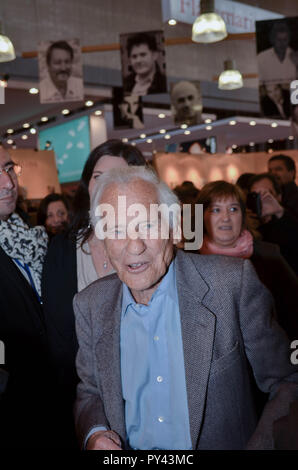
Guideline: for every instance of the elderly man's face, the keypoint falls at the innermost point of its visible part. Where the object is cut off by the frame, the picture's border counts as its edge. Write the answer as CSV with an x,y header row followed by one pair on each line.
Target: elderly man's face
x,y
8,186
60,66
140,263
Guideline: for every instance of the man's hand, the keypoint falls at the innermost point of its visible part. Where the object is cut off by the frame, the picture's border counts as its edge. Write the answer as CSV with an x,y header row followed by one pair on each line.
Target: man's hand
x,y
104,440
270,205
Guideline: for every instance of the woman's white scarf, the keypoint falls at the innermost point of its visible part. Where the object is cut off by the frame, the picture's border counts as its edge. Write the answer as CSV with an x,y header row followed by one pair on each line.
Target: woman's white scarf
x,y
28,245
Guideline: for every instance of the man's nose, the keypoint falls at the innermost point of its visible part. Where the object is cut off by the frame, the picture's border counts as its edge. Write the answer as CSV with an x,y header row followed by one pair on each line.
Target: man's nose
x,y
137,246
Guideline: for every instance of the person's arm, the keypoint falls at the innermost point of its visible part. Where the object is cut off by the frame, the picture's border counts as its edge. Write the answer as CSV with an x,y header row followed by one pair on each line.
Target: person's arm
x,y
268,351
89,409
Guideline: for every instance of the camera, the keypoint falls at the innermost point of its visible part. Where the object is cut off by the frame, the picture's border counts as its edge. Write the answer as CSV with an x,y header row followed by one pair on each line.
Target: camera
x,y
254,203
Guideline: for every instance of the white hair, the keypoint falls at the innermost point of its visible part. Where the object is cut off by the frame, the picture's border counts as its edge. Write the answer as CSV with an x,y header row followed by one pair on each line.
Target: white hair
x,y
124,176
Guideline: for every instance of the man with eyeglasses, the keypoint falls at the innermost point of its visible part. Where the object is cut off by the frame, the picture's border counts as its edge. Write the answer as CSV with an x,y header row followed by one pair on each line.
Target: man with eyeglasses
x,y
25,405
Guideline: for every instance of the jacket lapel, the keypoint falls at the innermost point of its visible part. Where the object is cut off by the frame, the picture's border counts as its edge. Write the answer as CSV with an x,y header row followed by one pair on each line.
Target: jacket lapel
x,y
198,328
107,340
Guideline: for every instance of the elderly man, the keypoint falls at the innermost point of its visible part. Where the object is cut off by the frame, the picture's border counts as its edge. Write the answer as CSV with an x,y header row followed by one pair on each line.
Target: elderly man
x,y
187,103
26,403
60,85
165,347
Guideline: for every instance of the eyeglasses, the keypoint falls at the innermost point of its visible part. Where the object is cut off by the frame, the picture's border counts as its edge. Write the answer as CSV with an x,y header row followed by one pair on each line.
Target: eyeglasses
x,y
13,169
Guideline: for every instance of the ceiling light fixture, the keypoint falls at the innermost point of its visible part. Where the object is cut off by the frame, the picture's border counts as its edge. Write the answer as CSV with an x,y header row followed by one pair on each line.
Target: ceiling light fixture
x,y
172,22
187,132
65,112
34,91
33,130
252,123
274,124
270,141
4,81
230,78
10,131
7,52
89,103
207,121
98,112
161,115
125,139
209,26
167,136
149,141
208,128
291,137
162,131
24,137
232,123
142,136
9,141
44,119
26,125
184,126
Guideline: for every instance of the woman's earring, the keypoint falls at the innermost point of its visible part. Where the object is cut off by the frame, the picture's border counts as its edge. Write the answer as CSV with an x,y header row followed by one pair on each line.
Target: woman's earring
x,y
89,220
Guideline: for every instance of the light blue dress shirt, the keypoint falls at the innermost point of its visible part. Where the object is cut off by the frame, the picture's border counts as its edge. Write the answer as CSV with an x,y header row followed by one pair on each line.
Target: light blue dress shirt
x,y
152,370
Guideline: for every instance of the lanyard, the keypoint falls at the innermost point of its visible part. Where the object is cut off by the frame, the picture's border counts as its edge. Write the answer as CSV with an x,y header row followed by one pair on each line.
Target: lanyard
x,y
28,272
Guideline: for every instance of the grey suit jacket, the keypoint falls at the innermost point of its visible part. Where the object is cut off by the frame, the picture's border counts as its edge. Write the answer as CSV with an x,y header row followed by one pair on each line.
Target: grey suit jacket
x,y
227,331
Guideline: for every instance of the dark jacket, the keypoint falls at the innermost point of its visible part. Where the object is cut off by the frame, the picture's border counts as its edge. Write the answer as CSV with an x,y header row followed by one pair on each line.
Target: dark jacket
x,y
25,409
290,198
158,85
284,233
59,285
280,279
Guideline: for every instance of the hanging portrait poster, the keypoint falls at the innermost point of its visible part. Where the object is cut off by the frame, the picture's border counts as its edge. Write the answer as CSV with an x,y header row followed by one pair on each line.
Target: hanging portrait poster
x,y
60,71
277,59
143,63
186,101
127,110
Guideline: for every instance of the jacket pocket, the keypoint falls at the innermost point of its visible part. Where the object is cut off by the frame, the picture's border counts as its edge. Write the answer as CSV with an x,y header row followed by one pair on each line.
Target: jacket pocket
x,y
226,360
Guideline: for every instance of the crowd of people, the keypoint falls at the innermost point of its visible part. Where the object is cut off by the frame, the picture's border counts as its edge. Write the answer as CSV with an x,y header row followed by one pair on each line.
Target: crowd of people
x,y
123,340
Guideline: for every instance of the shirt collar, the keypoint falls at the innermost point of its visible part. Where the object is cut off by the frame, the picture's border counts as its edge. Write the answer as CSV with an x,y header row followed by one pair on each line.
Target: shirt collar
x,y
166,287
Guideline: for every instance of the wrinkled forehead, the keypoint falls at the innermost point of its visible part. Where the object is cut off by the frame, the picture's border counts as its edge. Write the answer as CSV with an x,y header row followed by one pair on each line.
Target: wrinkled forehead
x,y
137,191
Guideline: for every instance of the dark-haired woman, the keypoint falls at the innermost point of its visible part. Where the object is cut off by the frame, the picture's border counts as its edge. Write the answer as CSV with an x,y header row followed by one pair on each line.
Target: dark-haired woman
x,y
53,213
73,261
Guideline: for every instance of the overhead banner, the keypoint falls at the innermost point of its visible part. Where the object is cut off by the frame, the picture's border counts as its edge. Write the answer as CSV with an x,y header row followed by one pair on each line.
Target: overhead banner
x,y
186,101
127,110
60,71
143,63
239,18
277,58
